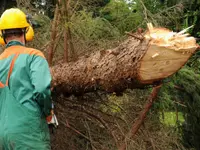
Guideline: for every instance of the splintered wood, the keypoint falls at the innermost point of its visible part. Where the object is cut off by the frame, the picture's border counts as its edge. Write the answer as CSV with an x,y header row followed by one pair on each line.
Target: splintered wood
x,y
168,51
172,40
136,62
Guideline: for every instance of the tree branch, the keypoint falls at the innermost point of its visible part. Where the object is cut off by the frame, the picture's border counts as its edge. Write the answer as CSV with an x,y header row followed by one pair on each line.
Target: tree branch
x,y
142,116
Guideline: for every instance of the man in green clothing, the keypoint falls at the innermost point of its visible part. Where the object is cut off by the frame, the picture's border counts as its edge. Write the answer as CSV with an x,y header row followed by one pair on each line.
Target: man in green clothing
x,y
24,87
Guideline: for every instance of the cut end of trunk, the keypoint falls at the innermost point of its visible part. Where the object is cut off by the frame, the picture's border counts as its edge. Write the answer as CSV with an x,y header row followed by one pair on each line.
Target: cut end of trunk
x,y
168,51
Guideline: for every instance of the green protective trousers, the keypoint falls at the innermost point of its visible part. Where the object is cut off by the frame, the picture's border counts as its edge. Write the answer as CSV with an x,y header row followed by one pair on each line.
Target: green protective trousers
x,y
24,99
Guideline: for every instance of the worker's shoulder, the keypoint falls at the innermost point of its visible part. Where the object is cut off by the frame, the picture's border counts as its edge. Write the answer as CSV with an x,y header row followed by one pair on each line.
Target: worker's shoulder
x,y
34,52
21,50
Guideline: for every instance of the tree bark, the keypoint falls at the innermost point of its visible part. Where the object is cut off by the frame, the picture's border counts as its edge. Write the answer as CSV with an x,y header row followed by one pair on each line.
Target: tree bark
x,y
68,40
53,36
134,63
65,20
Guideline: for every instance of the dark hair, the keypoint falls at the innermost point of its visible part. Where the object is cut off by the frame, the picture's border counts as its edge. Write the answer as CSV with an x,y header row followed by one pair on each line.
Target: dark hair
x,y
13,32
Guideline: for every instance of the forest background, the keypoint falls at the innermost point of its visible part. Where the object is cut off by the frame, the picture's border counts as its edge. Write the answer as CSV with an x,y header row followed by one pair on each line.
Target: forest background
x,y
66,30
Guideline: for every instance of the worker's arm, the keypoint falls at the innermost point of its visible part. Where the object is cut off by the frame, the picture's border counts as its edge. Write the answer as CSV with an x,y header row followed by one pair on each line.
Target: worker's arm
x,y
41,80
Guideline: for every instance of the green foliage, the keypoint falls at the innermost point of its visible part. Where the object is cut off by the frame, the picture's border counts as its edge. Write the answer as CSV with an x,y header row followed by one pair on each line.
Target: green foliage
x,y
42,33
190,82
182,94
124,16
194,62
192,16
159,13
170,118
84,26
93,6
154,6
165,97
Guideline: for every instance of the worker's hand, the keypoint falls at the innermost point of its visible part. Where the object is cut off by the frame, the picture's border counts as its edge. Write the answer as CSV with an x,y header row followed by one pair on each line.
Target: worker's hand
x,y
52,119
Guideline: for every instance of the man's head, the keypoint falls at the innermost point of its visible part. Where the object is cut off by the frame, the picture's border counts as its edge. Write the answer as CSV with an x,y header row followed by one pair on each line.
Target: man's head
x,y
14,26
14,34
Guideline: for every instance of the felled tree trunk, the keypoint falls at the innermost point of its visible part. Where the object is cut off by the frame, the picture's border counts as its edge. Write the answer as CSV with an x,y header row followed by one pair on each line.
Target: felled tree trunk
x,y
140,60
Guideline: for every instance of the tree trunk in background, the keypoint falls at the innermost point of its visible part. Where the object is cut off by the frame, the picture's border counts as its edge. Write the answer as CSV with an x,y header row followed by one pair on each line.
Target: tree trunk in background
x,y
65,46
65,20
134,63
53,36
68,42
72,50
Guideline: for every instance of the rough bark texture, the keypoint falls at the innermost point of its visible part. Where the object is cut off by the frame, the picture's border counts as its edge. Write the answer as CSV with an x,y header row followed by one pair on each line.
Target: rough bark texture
x,y
65,20
53,36
110,70
137,61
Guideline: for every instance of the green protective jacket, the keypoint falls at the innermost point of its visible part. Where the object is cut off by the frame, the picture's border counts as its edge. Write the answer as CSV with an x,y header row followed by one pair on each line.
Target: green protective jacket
x,y
24,99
